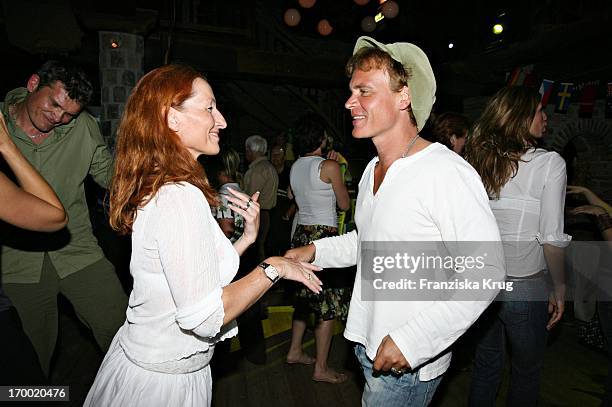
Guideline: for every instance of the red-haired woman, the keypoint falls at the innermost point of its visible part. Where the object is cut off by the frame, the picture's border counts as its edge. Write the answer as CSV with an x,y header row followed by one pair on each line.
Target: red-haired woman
x,y
182,301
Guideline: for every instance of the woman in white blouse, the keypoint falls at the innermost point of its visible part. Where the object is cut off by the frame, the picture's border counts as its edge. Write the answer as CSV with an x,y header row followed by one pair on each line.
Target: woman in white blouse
x,y
183,300
526,186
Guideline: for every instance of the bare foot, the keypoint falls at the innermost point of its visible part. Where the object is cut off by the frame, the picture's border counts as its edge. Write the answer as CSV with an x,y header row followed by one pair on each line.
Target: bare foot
x,y
330,376
302,359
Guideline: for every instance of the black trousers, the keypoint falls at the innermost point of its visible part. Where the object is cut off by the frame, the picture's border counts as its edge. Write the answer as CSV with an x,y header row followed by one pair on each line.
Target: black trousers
x,y
19,363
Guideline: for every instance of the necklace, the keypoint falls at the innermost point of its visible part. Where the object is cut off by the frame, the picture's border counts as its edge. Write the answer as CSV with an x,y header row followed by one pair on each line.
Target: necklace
x,y
410,146
13,115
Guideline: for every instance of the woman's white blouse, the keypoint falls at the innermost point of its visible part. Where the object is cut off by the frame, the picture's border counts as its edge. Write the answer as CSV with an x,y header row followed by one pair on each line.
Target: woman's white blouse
x,y
180,261
529,211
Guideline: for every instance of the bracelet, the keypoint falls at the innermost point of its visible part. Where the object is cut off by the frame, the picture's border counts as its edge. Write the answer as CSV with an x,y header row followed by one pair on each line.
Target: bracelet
x,y
604,222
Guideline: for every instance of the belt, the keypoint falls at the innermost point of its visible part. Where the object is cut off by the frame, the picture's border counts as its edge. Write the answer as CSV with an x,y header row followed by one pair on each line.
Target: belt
x,y
539,274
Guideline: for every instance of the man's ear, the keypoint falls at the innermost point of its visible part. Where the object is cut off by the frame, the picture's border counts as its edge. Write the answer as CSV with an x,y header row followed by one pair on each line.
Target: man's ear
x,y
405,98
173,119
33,83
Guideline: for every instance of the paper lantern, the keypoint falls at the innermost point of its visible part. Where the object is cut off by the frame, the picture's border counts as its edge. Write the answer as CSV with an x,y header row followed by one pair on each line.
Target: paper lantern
x,y
324,27
307,3
390,9
361,2
292,17
368,24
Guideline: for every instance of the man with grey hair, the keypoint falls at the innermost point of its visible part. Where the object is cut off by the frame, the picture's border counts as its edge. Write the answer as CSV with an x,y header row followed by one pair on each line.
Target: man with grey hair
x,y
261,176
413,191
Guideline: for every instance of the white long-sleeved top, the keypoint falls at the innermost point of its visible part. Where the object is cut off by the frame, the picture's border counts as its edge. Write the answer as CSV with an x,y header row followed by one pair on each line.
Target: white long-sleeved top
x,y
529,211
432,195
180,261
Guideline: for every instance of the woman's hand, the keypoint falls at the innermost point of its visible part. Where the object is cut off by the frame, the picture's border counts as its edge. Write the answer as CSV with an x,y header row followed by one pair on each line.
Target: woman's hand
x,y
248,207
556,306
577,189
299,271
304,253
332,155
5,138
589,210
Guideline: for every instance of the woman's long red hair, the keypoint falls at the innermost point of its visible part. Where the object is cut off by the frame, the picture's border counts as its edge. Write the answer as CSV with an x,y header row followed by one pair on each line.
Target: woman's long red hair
x,y
148,153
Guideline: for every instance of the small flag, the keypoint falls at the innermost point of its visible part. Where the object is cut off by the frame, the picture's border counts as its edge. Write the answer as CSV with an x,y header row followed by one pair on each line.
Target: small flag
x,y
546,90
587,100
564,96
518,75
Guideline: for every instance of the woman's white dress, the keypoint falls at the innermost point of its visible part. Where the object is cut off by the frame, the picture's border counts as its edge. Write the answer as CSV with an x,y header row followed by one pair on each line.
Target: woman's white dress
x,y
180,261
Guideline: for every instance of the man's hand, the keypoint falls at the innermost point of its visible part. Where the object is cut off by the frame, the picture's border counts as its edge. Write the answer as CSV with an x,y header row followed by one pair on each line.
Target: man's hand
x,y
389,357
304,253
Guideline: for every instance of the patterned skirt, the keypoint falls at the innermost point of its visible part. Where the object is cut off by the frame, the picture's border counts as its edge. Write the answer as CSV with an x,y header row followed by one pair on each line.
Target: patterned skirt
x,y
332,302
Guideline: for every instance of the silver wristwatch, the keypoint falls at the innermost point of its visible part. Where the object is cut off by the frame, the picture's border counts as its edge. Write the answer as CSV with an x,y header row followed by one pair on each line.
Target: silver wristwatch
x,y
270,271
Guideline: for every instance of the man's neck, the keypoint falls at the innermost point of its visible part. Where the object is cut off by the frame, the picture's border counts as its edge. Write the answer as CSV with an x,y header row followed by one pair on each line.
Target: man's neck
x,y
395,146
257,159
22,120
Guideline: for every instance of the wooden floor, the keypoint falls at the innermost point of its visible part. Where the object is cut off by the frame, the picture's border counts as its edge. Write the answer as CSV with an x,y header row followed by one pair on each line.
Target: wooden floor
x,y
573,374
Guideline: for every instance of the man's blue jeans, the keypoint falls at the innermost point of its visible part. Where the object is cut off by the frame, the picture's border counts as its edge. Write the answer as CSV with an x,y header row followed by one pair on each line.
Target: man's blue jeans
x,y
386,389
523,325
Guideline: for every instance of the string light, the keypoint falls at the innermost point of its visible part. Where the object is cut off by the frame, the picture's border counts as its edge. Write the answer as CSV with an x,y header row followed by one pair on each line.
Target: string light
x,y
292,17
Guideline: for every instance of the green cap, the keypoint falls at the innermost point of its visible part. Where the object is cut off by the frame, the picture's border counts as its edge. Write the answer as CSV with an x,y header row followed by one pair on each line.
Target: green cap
x,y
422,81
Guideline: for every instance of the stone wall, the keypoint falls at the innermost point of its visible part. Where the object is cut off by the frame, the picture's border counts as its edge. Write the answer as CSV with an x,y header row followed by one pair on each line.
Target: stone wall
x,y
591,138
120,69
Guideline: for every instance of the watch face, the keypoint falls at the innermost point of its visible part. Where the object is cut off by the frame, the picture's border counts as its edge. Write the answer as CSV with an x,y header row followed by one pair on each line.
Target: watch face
x,y
270,271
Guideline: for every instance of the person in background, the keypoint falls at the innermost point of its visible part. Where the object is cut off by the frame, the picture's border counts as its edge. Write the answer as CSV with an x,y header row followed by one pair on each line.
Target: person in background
x,y
317,184
526,185
451,129
183,301
31,205
228,177
261,176
592,200
601,212
47,123
281,216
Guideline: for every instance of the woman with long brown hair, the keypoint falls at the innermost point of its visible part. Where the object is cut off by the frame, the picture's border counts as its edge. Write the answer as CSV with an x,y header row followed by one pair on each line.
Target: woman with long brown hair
x,y
183,300
526,185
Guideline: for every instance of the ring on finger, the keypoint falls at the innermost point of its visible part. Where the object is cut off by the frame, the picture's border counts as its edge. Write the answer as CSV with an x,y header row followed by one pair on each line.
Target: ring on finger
x,y
248,205
308,276
397,371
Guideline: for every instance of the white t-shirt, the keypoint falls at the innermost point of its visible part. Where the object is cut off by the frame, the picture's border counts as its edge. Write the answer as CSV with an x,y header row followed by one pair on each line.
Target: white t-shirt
x,y
432,195
529,211
180,261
